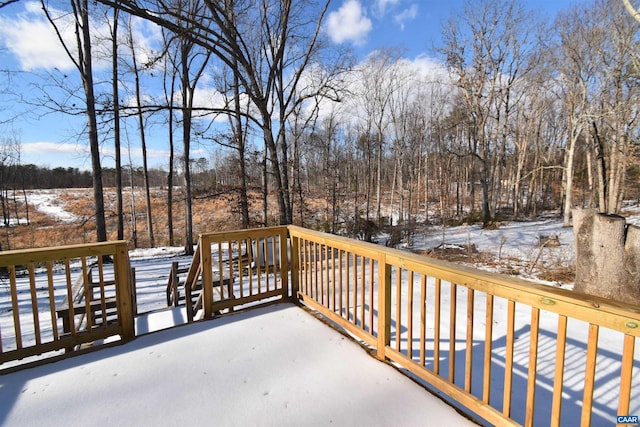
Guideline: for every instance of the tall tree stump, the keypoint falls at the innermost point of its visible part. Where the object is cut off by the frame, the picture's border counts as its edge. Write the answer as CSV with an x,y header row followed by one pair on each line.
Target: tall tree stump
x,y
607,256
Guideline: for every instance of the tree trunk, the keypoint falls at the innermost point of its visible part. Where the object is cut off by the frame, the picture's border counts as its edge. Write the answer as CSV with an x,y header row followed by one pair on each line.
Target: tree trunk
x,y
188,202
486,196
379,177
134,225
590,200
240,142
171,169
607,256
286,187
87,79
265,190
187,104
601,171
568,178
143,141
116,126
272,153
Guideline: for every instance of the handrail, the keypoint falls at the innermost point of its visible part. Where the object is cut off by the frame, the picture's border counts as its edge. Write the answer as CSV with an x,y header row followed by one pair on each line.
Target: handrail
x,y
191,282
466,332
33,283
224,278
491,344
194,270
172,291
264,277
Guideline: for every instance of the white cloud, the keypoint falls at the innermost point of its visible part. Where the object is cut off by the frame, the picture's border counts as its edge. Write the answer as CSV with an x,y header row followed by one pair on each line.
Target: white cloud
x,y
67,154
382,5
423,77
349,23
406,15
428,69
146,36
32,39
55,154
52,147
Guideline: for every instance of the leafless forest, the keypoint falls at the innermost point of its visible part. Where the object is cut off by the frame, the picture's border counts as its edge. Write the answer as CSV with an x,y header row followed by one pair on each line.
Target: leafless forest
x,y
511,116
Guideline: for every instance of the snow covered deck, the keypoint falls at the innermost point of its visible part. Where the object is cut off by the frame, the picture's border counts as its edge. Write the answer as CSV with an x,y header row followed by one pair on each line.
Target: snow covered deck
x,y
275,365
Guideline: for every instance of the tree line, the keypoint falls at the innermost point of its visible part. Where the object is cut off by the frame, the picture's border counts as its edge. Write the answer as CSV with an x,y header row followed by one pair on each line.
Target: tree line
x,y
34,177
31,176
511,115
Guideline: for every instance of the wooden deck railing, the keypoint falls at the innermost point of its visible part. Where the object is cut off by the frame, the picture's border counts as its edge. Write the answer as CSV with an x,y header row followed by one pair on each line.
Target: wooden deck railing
x,y
511,351
44,311
238,268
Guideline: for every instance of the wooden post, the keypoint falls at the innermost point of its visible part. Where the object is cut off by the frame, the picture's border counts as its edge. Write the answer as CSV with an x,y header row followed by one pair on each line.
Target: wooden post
x,y
174,284
123,291
295,266
207,276
284,262
607,256
134,290
384,306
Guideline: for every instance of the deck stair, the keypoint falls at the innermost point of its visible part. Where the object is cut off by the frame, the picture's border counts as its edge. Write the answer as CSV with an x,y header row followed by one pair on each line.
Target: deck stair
x,y
90,304
175,287
185,284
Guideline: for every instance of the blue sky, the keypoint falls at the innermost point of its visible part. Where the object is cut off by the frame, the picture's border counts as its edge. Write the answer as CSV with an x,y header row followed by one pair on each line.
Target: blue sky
x,y
414,26
27,45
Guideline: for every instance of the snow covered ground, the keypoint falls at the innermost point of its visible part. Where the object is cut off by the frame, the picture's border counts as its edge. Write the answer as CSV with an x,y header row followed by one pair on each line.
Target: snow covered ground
x,y
47,202
512,243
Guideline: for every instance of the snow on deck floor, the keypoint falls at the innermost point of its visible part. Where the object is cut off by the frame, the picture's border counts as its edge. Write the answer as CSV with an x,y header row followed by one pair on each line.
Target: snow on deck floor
x,y
274,365
159,320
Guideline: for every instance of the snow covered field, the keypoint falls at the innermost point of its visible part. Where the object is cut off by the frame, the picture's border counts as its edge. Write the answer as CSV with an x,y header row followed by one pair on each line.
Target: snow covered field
x,y
514,245
46,201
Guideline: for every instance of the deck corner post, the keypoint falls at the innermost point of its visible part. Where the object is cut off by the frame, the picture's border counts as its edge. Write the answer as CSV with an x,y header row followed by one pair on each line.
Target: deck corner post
x,y
207,276
384,306
124,291
294,267
284,260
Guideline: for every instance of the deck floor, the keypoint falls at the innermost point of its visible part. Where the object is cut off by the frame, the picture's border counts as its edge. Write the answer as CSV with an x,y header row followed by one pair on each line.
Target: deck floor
x,y
275,365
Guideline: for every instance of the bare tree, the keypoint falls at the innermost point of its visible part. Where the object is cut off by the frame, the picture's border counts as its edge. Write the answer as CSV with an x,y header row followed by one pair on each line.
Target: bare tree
x,y
239,127
192,60
170,73
116,122
82,60
599,89
632,10
408,115
487,52
238,105
10,180
267,43
135,68
575,71
380,80
615,116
